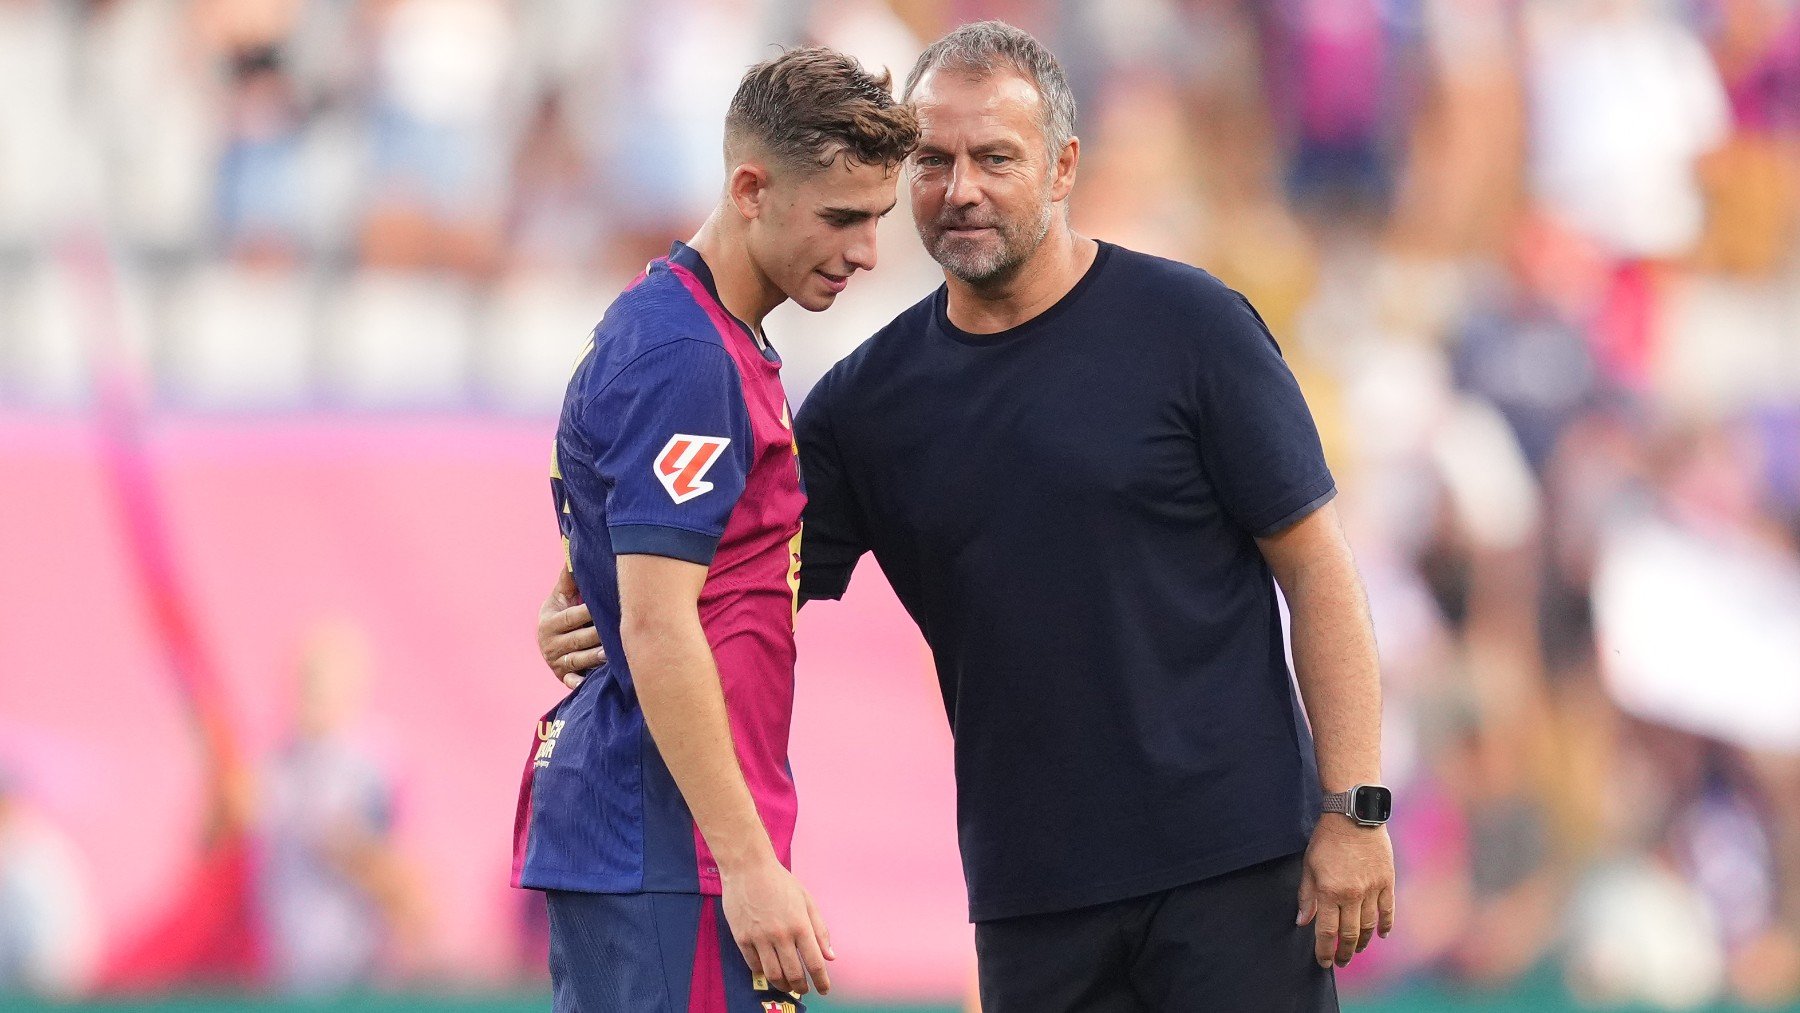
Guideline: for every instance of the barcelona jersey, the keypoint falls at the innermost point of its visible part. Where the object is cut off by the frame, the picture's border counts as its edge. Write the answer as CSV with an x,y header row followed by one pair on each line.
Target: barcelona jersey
x,y
675,440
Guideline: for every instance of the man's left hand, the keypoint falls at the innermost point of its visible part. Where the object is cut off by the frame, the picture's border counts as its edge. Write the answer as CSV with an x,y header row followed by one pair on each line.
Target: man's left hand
x,y
1347,889
566,635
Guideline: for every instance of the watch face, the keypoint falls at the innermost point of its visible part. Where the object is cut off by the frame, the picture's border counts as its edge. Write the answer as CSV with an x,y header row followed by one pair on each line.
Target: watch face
x,y
1372,803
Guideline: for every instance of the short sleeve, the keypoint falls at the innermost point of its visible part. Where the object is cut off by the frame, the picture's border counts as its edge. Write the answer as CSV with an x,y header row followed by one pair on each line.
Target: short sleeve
x,y
834,523
673,446
1258,443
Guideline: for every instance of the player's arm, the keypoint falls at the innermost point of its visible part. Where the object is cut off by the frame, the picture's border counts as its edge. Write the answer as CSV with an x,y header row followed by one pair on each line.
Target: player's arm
x,y
1348,885
671,442
772,918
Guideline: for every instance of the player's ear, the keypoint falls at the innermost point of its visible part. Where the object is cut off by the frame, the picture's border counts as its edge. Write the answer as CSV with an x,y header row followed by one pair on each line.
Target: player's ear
x,y
1066,162
748,189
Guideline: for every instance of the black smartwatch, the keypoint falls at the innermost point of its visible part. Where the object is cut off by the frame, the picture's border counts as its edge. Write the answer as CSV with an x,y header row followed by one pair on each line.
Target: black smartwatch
x,y
1368,804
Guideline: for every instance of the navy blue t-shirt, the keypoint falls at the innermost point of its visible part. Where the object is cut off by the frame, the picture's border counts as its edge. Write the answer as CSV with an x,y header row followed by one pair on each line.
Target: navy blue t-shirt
x,y
1068,509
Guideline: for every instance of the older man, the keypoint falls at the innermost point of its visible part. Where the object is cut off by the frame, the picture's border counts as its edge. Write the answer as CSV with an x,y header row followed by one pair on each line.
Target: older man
x,y
1083,470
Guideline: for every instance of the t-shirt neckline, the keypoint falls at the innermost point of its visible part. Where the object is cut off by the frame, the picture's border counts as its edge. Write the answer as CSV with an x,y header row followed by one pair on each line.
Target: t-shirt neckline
x,y
940,308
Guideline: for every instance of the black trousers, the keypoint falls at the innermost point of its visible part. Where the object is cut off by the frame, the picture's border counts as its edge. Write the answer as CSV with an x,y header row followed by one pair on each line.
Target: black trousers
x,y
1226,944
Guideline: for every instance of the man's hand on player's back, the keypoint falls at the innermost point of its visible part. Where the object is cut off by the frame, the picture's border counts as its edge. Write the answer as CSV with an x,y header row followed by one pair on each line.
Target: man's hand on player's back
x,y
566,635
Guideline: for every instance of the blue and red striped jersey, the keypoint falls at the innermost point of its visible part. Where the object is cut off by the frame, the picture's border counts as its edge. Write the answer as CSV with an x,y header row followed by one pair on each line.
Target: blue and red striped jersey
x,y
675,440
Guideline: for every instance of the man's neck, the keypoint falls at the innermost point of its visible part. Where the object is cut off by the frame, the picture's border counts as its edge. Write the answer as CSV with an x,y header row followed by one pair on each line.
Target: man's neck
x,y
746,293
1004,303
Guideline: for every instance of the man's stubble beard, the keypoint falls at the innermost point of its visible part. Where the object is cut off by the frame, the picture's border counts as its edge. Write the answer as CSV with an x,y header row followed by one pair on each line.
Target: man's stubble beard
x,y
978,266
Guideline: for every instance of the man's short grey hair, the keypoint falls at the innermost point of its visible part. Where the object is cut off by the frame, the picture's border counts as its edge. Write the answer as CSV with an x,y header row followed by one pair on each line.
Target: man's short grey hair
x,y
986,46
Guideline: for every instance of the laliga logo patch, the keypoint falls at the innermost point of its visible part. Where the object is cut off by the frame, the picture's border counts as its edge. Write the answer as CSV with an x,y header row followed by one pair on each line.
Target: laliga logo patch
x,y
683,463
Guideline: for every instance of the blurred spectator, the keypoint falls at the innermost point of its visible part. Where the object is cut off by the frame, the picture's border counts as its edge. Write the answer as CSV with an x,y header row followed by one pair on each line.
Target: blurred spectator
x,y
664,163
1697,596
1143,168
47,935
1624,101
1701,579
261,211
1641,935
336,899
1753,181
556,216
259,189
441,72
1340,80
1522,343
1514,889
1463,180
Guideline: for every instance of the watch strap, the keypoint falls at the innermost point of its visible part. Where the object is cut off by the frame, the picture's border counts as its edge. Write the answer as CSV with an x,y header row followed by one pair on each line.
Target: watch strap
x,y
1338,802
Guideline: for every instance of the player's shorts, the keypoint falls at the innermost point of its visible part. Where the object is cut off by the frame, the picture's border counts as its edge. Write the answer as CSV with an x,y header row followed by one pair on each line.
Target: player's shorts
x,y
613,952
1227,943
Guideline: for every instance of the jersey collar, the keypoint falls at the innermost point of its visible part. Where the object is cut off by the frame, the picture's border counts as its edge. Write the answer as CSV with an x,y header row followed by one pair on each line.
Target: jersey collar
x,y
683,255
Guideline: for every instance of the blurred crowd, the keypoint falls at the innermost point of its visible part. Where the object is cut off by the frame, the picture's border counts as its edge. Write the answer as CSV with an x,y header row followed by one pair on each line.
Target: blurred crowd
x,y
1535,262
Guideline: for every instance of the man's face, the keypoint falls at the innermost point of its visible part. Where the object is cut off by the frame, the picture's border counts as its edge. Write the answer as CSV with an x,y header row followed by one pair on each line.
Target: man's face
x,y
817,228
981,178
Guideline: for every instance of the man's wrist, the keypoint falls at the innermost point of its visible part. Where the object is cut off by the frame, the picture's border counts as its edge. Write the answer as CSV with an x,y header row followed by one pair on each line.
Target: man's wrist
x,y
1339,782
1366,803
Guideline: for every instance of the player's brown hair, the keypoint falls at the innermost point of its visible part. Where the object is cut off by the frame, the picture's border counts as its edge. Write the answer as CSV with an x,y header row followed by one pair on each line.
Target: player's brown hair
x,y
808,106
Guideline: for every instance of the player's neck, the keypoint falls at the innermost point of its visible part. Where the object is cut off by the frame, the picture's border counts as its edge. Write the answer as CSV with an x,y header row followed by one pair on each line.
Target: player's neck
x,y
745,291
1033,287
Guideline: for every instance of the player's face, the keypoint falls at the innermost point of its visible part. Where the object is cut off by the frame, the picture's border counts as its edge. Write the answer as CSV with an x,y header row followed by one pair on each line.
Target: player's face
x,y
981,178
818,228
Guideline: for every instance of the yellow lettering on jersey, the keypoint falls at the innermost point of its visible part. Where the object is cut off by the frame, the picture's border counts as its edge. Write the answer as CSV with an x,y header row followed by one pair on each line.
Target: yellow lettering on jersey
x,y
556,476
787,423
794,570
547,732
758,983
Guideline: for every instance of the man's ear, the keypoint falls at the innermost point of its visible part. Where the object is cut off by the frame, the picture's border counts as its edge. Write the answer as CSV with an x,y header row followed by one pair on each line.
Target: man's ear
x,y
1067,161
748,188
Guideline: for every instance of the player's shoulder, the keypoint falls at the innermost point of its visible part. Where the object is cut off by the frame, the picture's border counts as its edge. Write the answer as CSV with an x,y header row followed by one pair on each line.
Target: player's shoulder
x,y
654,325
656,310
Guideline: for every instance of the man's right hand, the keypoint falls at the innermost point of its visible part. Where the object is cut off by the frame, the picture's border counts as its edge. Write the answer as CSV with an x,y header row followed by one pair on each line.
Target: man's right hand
x,y
566,635
777,926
